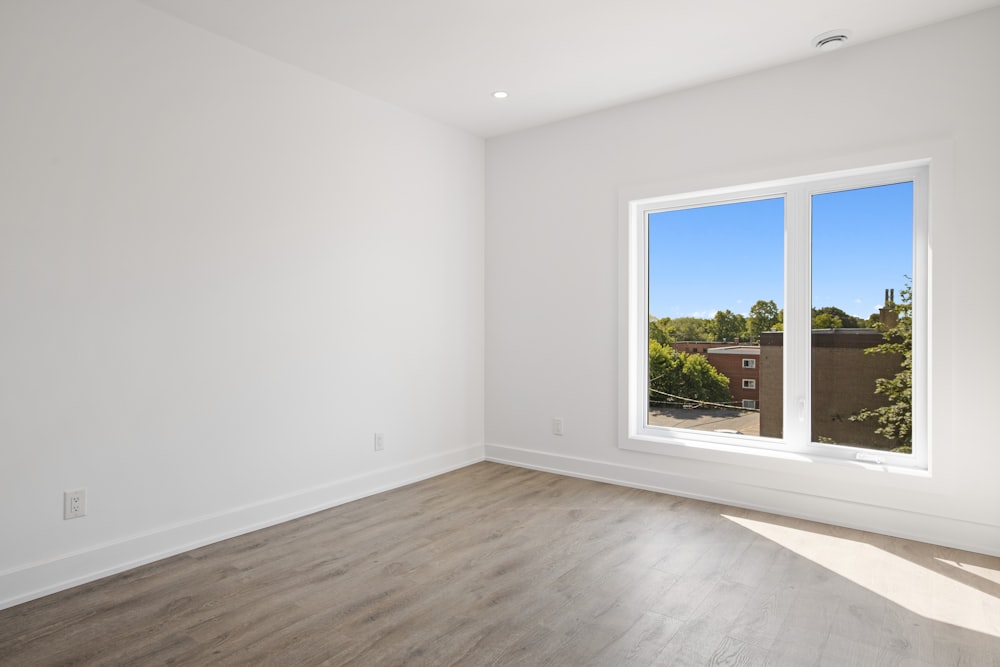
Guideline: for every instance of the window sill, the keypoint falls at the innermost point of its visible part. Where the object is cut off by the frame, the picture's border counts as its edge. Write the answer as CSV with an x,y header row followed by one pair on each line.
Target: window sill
x,y
715,449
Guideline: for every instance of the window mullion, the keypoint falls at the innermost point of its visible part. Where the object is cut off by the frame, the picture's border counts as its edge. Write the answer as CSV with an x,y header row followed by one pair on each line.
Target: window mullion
x,y
797,321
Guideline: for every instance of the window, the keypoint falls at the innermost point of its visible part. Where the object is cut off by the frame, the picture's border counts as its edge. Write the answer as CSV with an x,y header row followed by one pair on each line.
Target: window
x,y
749,404
834,302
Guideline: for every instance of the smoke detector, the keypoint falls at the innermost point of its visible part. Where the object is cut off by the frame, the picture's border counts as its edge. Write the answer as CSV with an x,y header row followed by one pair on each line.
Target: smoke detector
x,y
831,40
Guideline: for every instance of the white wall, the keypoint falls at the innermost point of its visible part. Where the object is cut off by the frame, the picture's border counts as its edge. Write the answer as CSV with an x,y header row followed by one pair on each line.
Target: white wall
x,y
552,278
219,276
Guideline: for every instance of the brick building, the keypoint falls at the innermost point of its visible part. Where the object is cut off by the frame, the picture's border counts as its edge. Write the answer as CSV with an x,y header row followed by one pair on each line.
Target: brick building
x,y
740,364
697,346
737,362
843,383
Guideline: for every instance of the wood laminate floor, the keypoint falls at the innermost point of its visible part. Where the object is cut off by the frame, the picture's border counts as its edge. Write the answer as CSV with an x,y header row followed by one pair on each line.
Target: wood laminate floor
x,y
496,565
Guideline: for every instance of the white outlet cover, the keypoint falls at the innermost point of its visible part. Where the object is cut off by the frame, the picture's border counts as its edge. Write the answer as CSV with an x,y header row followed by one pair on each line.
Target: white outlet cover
x,y
74,504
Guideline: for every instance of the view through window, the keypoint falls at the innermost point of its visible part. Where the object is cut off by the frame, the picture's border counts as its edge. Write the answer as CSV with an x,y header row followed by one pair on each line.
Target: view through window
x,y
715,284
862,260
721,340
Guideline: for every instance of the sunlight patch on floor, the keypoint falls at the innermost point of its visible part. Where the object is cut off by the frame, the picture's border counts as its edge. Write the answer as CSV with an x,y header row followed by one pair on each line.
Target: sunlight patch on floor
x,y
990,574
945,589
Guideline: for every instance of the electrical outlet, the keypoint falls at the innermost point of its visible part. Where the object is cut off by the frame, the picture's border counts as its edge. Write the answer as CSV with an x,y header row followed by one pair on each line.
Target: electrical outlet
x,y
557,426
379,442
74,504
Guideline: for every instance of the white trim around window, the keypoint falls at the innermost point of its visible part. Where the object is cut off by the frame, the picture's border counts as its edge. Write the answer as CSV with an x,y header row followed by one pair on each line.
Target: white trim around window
x,y
795,443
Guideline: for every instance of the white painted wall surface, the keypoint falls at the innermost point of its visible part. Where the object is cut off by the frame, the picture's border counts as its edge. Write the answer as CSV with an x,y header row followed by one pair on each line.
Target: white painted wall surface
x,y
219,277
552,279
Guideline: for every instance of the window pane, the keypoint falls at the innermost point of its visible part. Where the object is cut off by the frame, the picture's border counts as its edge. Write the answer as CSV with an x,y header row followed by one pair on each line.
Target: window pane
x,y
862,262
715,288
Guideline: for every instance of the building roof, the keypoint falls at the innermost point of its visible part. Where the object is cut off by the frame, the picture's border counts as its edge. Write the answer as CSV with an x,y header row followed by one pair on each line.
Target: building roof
x,y
736,349
852,338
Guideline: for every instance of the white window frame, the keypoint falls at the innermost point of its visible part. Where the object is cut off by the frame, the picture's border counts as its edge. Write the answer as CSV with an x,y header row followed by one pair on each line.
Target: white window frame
x,y
749,403
795,444
749,363
749,383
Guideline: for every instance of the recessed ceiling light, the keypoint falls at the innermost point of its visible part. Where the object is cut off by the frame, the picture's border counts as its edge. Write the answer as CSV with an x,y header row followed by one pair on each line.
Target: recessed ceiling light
x,y
831,40
499,94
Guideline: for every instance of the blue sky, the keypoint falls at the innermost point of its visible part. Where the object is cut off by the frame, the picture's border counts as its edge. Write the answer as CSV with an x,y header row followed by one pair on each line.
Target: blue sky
x,y
729,256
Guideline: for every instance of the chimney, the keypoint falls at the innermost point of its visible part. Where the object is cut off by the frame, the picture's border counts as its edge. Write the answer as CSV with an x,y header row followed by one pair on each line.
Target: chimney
x,y
887,316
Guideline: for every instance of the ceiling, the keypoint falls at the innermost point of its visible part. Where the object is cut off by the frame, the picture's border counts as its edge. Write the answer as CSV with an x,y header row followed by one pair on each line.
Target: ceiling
x,y
556,58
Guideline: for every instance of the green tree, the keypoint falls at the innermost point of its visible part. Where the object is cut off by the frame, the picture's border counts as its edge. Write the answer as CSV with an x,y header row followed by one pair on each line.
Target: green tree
x,y
690,328
846,320
726,325
826,321
896,419
678,376
763,317
780,324
661,331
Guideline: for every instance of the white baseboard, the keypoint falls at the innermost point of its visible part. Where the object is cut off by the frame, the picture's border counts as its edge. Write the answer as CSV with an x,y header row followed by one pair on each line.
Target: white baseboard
x,y
941,530
37,580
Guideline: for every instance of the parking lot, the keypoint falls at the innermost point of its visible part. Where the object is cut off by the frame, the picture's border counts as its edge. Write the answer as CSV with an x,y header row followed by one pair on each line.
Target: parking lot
x,y
707,419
